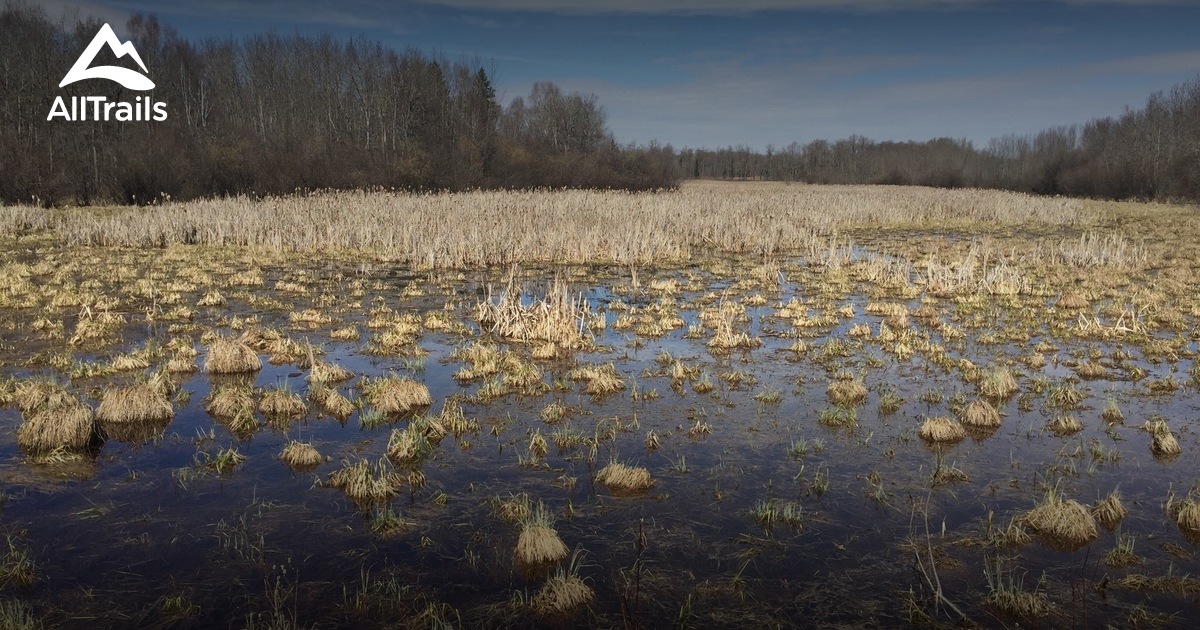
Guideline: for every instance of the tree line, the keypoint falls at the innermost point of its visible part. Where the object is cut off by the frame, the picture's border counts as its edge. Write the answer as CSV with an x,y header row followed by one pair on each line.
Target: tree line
x,y
1152,152
276,114
272,114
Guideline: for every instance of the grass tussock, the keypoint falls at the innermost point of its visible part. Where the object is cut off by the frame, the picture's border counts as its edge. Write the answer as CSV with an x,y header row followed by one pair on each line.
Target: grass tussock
x,y
1186,513
396,395
1065,424
1062,523
980,414
599,380
1007,594
941,430
1163,444
622,479
327,373
54,420
233,405
300,456
282,403
998,383
1110,511
331,402
559,318
365,483
539,543
846,390
563,594
231,356
139,403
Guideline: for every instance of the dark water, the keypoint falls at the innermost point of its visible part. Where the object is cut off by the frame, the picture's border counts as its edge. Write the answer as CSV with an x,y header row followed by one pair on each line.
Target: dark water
x,y
144,536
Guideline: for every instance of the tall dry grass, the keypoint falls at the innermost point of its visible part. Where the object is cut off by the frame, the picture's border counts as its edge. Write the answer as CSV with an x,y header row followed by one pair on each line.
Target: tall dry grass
x,y
479,228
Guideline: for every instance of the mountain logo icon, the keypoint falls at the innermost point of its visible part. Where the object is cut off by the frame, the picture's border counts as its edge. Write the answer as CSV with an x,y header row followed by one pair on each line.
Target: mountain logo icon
x,y
126,77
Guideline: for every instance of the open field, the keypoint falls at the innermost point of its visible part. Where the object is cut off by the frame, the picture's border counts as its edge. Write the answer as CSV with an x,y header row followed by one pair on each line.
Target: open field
x,y
736,404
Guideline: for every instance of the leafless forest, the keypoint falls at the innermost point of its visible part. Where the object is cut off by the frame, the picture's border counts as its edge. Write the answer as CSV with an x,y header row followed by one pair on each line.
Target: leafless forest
x,y
275,114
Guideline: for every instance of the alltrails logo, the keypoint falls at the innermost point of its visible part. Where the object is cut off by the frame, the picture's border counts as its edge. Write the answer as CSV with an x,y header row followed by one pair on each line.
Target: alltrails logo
x,y
99,107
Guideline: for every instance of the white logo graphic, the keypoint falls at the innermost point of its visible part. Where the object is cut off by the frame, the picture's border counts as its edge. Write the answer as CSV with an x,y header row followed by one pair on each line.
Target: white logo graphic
x,y
126,77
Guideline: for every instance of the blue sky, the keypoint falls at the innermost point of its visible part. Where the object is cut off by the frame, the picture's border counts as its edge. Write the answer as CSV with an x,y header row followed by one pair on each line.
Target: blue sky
x,y
707,73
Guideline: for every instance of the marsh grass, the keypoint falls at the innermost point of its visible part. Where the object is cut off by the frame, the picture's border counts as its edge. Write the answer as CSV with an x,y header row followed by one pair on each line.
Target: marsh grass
x,y
941,430
559,318
980,414
135,413
54,420
331,401
562,595
1061,523
621,479
327,373
365,483
845,390
16,564
281,404
300,456
599,380
1007,594
231,356
1163,444
539,543
395,394
998,383
1110,511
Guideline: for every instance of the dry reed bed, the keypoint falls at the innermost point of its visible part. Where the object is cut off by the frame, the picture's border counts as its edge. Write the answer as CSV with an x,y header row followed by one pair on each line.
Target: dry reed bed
x,y
499,227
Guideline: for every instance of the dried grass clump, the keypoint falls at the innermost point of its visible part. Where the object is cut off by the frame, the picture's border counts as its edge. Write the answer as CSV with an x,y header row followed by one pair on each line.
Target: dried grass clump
x,y
331,401
1186,513
941,430
981,414
561,595
1063,524
231,356
143,402
1163,444
300,456
998,383
846,390
539,543
1091,369
396,395
408,447
1110,511
600,379
56,421
180,364
622,479
366,484
559,317
282,403
1065,424
233,405
322,372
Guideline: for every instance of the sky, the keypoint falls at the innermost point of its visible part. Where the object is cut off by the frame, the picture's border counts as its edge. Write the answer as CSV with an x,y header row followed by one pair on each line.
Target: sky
x,y
713,73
